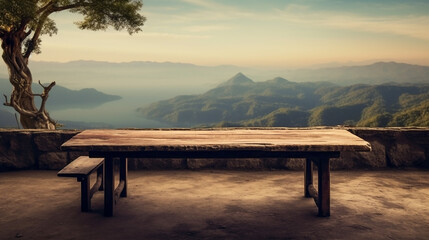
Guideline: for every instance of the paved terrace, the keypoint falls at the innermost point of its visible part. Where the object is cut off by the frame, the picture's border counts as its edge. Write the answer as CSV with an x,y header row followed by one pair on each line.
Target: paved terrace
x,y
217,204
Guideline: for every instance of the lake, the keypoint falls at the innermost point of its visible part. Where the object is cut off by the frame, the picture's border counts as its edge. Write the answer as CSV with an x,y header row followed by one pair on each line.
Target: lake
x,y
122,113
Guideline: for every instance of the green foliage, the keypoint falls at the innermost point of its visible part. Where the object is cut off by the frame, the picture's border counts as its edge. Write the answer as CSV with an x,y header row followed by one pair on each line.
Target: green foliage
x,y
30,18
381,119
100,14
12,12
279,102
280,118
415,116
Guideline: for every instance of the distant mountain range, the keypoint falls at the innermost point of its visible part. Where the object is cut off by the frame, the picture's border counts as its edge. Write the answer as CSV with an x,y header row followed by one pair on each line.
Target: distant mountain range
x,y
377,73
106,76
303,99
280,102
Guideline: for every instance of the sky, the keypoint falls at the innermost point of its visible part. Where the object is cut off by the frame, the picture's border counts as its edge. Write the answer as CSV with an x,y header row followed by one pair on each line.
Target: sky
x,y
251,33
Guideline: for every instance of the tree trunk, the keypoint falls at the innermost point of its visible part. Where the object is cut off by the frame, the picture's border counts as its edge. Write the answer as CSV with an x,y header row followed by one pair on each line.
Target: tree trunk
x,y
22,97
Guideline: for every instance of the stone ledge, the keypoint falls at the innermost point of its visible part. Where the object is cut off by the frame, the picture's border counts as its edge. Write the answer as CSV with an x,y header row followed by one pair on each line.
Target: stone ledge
x,y
392,147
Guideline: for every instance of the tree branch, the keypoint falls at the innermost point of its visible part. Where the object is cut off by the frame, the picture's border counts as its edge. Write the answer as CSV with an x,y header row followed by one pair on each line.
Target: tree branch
x,y
17,107
45,95
45,11
36,35
27,33
71,6
6,103
42,9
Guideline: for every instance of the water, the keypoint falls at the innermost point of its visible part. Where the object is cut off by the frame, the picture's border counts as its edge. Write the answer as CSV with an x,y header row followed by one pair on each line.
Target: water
x,y
122,113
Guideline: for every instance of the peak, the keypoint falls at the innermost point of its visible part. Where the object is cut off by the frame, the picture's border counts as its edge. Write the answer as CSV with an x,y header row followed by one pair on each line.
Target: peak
x,y
279,80
238,79
393,64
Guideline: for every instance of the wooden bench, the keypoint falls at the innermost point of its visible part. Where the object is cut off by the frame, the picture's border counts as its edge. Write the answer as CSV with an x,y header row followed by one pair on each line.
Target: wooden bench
x,y
317,146
81,168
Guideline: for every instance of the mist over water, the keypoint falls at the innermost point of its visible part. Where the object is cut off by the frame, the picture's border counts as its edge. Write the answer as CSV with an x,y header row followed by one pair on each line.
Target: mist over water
x,y
122,113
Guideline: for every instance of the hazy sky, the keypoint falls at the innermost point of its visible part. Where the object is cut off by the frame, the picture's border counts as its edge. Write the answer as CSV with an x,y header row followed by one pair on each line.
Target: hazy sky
x,y
272,33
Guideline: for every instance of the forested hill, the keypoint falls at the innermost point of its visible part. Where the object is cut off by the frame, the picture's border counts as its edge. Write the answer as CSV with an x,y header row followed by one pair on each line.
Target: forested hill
x,y
280,102
64,98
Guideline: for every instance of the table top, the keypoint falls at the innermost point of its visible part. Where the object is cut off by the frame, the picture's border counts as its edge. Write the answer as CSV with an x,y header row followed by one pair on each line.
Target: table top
x,y
304,140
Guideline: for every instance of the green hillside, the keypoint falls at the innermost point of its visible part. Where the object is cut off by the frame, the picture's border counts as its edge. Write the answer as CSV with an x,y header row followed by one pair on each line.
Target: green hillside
x,y
279,102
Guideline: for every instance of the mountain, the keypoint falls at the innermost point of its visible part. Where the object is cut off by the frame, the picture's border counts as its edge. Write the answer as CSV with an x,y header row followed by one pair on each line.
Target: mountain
x,y
64,98
238,79
280,102
194,79
108,76
236,101
7,120
376,73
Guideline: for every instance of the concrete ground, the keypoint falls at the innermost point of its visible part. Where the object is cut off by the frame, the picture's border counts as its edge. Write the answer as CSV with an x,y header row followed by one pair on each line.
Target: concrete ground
x,y
385,204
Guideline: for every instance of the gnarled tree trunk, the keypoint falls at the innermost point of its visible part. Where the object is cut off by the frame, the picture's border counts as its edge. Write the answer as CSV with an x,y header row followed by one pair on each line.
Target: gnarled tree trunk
x,y
22,97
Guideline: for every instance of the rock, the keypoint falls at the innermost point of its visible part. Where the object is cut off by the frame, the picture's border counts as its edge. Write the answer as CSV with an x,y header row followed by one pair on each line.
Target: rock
x,y
50,141
294,163
245,163
52,160
201,163
404,153
73,155
156,164
16,150
374,159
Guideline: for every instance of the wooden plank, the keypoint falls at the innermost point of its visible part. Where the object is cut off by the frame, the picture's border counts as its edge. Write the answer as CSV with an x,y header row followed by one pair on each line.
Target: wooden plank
x,y
85,198
324,188
217,140
313,193
97,186
81,167
308,177
119,190
212,154
109,181
123,175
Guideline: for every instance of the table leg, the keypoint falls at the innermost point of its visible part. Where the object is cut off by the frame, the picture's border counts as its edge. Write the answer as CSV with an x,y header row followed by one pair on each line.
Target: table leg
x,y
123,175
85,199
308,177
324,188
109,187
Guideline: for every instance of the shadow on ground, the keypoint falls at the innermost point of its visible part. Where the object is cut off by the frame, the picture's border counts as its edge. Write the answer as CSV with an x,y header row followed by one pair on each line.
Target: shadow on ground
x,y
387,204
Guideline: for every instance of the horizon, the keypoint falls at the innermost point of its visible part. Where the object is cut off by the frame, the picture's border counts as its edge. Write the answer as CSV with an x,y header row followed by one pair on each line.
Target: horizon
x,y
273,34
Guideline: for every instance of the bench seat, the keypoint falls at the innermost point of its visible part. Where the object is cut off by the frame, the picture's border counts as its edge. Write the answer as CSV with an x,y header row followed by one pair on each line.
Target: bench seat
x,y
81,168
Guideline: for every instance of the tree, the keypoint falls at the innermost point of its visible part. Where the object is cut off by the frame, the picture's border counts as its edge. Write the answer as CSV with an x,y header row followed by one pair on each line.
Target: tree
x,y
23,22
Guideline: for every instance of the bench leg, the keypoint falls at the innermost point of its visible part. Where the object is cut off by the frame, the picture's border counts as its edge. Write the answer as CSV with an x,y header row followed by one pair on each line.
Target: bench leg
x,y
109,188
85,198
100,172
308,177
324,188
123,175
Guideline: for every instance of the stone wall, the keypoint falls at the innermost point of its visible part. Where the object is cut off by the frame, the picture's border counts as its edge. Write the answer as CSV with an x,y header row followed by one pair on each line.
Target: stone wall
x,y
391,147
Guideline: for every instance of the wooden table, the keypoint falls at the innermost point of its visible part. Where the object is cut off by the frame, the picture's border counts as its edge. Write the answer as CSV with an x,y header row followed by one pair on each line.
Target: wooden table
x,y
315,145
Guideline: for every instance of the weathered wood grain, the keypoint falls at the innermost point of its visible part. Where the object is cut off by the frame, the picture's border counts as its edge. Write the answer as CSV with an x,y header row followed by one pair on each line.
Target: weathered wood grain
x,y
81,167
328,140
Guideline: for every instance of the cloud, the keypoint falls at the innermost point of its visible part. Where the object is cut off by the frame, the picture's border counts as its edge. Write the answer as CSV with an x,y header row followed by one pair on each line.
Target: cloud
x,y
174,35
213,10
206,28
207,16
205,4
410,26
